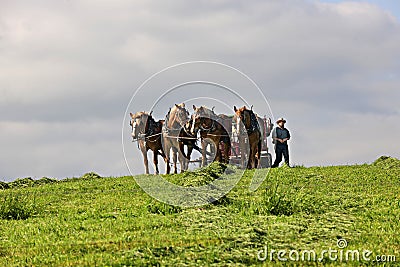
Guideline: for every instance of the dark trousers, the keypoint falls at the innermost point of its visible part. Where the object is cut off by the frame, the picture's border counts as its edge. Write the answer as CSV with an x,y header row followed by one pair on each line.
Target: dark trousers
x,y
279,150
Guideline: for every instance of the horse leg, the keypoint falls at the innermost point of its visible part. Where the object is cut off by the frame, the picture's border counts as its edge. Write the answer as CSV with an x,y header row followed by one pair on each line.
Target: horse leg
x,y
155,161
212,149
182,161
166,160
253,156
174,159
227,147
218,155
189,153
259,154
203,152
182,152
250,162
146,161
250,158
243,150
167,149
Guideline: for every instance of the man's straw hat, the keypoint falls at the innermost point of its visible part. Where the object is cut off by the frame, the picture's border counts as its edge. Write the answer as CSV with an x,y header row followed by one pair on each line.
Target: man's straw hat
x,y
281,119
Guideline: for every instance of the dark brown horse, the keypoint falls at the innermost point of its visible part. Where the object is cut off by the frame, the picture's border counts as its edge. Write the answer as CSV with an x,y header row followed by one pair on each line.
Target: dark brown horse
x,y
211,132
188,140
248,119
148,133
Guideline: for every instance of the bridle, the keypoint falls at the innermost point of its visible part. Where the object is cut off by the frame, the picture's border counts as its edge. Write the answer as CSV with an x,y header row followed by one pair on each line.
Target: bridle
x,y
148,129
253,122
201,117
180,121
212,128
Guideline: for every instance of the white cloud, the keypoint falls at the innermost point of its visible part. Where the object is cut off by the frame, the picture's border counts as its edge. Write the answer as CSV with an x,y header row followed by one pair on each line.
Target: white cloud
x,y
325,66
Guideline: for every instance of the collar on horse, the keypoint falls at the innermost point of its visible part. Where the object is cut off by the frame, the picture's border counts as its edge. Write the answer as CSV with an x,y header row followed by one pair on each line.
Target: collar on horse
x,y
254,126
211,129
151,125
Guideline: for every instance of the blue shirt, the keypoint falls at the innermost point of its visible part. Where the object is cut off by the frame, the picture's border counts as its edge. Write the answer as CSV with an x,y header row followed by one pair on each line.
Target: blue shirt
x,y
280,133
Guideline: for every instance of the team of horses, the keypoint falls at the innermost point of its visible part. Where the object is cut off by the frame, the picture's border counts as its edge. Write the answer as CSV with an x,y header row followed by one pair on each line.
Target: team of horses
x,y
180,130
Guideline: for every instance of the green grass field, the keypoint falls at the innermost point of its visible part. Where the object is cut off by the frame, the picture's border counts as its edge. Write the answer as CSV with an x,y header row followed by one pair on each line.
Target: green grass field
x,y
94,221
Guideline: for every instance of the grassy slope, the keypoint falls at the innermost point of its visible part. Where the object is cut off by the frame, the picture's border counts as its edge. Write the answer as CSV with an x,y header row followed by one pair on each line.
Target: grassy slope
x,y
111,221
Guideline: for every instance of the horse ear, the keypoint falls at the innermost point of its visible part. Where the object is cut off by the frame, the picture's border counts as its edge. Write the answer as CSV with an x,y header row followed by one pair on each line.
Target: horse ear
x,y
132,115
251,107
194,107
183,104
151,112
176,106
213,109
234,108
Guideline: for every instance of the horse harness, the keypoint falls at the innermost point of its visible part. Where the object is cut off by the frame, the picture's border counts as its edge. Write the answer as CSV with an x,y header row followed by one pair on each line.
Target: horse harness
x,y
254,125
211,129
174,132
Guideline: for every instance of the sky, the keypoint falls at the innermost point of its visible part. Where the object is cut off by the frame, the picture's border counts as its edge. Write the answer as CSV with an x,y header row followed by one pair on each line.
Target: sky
x,y
68,70
390,6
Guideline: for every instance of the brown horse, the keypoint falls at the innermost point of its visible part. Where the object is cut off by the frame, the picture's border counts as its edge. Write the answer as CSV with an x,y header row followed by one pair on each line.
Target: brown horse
x,y
148,133
186,138
211,132
175,136
248,119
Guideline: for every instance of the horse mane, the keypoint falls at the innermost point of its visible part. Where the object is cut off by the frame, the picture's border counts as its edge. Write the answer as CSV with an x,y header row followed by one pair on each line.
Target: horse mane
x,y
207,112
254,121
139,114
253,118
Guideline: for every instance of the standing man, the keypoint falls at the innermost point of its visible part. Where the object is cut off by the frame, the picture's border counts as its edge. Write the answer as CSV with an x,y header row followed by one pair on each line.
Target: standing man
x,y
280,136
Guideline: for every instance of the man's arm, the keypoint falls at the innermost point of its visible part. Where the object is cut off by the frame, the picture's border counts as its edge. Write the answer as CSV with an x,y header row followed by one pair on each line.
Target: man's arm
x,y
274,136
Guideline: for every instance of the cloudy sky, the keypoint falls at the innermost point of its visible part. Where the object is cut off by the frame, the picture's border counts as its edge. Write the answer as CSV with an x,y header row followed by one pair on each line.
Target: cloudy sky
x,y
68,70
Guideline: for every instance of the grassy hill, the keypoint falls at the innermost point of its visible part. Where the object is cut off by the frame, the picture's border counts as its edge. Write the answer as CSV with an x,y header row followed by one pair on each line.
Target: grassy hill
x,y
96,221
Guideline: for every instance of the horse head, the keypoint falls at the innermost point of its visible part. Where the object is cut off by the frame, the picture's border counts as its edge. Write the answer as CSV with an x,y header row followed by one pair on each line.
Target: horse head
x,y
178,116
139,123
201,118
243,118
